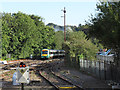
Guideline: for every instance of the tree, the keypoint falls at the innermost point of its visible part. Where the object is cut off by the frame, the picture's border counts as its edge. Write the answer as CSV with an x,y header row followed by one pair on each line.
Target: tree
x,y
78,44
59,39
6,29
106,25
24,34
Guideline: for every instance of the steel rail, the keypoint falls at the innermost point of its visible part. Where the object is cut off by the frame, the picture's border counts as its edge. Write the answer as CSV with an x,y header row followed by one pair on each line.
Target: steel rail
x,y
56,87
80,87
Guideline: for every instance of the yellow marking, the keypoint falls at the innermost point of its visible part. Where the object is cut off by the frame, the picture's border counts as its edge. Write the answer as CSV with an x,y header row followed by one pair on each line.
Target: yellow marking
x,y
44,54
68,87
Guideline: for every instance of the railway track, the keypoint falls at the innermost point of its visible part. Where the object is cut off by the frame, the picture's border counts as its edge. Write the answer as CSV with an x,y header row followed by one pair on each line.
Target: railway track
x,y
77,86
14,64
56,81
59,82
44,71
30,63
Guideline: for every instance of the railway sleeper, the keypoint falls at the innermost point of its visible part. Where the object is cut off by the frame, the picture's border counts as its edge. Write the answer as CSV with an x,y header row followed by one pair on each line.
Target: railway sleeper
x,y
52,84
69,81
61,86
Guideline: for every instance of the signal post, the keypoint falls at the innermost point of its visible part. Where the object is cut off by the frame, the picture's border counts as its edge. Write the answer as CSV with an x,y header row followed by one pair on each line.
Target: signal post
x,y
22,75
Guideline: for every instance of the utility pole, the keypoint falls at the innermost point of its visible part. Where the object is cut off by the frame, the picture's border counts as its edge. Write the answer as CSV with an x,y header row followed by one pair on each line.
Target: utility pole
x,y
64,24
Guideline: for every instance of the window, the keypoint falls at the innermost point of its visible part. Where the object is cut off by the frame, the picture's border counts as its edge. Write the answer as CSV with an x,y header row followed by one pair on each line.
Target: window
x,y
44,52
51,52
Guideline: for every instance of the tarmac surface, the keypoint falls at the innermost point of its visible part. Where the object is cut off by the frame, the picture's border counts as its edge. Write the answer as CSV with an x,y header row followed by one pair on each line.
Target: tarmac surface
x,y
83,79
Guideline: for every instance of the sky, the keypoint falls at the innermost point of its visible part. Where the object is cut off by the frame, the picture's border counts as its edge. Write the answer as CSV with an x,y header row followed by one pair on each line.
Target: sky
x,y
51,10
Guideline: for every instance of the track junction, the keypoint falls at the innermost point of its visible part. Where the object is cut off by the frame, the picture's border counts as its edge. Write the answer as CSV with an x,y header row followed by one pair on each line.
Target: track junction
x,y
44,74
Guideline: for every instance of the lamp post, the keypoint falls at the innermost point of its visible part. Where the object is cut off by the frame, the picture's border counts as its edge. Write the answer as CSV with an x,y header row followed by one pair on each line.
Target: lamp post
x,y
64,24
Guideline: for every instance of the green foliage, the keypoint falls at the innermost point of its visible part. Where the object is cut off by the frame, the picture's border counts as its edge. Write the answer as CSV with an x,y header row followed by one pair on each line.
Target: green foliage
x,y
106,25
80,56
59,39
78,44
24,34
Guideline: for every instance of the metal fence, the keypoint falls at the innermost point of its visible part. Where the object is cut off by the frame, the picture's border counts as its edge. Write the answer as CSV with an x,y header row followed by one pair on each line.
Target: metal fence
x,y
105,58
102,69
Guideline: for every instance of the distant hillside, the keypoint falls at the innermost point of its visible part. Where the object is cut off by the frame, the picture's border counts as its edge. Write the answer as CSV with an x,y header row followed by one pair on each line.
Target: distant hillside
x,y
59,28
80,27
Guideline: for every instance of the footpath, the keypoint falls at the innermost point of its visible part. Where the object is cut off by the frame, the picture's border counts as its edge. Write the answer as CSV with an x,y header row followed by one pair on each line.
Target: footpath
x,y
86,81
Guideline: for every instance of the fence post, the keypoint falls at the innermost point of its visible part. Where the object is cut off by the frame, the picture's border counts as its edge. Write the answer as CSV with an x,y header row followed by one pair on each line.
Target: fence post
x,y
83,64
99,70
95,67
87,66
111,68
78,62
105,70
91,66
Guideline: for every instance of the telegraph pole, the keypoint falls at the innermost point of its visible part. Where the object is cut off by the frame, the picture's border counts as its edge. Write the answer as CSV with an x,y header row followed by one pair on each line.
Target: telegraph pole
x,y
64,24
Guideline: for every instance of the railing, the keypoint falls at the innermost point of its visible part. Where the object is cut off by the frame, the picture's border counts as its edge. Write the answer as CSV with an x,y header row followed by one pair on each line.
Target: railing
x,y
104,69
105,58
